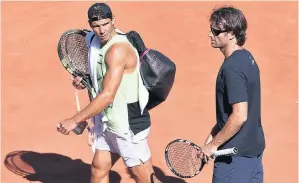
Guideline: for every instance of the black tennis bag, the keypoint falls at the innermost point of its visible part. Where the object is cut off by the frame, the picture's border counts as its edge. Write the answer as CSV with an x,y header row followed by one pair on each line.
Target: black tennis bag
x,y
156,69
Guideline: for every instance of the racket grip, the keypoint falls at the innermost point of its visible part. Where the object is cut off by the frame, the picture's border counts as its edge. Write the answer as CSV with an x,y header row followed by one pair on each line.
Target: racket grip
x,y
80,128
223,152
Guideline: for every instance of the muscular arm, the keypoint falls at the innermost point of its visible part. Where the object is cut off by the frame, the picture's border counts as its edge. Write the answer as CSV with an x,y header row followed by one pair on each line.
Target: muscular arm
x,y
233,124
115,60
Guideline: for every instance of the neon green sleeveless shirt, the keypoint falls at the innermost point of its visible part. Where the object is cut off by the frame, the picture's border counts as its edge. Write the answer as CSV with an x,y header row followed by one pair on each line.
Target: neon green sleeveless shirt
x,y
127,93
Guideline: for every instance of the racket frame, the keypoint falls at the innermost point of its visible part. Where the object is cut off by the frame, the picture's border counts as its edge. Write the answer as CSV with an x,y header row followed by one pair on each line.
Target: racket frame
x,y
168,163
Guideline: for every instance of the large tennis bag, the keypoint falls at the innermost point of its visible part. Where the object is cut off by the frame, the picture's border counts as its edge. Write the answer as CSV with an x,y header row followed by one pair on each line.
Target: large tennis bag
x,y
156,69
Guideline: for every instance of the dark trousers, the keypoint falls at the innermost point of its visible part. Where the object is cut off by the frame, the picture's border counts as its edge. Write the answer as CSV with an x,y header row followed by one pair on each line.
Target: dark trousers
x,y
238,170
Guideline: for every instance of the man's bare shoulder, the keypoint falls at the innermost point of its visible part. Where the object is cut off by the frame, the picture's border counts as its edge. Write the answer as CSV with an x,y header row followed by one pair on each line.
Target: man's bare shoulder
x,y
119,52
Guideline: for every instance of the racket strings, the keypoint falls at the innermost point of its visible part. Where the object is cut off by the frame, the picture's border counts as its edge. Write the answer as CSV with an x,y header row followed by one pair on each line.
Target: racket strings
x,y
184,159
77,52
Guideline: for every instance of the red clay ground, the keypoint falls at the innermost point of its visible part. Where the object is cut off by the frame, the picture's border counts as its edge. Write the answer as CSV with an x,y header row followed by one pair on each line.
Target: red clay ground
x,y
36,91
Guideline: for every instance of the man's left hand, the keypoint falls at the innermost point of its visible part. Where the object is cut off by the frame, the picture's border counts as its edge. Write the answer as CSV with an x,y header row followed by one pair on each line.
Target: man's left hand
x,y
207,152
66,126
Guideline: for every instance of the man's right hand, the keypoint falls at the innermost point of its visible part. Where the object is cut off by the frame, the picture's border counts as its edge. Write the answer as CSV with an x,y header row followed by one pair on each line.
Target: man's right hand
x,y
77,83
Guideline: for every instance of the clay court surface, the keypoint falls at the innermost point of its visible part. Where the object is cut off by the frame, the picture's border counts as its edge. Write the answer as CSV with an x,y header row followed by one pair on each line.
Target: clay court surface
x,y
37,92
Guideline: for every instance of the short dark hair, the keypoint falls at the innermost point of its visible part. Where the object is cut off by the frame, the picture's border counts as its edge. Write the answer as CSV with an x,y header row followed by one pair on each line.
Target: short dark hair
x,y
99,11
230,19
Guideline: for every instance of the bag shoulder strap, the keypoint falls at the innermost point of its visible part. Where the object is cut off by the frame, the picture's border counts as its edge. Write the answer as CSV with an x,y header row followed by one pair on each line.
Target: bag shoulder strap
x,y
91,38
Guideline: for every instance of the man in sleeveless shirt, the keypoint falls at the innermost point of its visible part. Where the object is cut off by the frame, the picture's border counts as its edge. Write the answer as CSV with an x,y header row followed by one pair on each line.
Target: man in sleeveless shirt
x,y
238,103
126,121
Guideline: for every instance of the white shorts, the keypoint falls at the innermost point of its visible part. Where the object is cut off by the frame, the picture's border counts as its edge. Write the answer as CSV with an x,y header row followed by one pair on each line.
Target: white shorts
x,y
134,149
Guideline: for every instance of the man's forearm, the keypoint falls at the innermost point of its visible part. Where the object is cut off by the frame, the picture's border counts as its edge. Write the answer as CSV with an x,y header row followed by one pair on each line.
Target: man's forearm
x,y
232,126
94,107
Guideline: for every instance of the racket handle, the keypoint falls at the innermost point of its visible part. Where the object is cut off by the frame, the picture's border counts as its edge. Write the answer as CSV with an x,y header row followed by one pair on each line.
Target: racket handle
x,y
223,152
80,128
82,125
77,100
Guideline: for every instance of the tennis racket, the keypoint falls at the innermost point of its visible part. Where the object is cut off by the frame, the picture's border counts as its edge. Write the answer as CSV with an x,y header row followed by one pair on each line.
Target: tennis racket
x,y
73,54
182,157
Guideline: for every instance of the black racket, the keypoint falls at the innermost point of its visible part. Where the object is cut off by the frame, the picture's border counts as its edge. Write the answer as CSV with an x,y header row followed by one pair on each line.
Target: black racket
x,y
73,54
182,157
